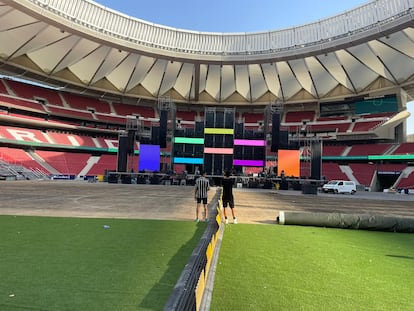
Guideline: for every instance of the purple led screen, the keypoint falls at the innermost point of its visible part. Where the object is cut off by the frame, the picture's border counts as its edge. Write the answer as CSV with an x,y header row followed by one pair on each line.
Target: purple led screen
x,y
248,162
251,142
149,158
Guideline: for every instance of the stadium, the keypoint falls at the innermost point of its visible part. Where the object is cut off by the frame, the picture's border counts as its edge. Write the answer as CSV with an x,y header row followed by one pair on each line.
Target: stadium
x,y
92,96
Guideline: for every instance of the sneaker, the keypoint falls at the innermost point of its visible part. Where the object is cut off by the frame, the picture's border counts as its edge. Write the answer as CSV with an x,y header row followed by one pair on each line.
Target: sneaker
x,y
206,220
235,220
226,221
197,220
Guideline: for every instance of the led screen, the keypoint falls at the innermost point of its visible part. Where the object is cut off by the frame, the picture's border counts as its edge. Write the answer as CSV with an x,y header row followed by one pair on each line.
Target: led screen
x,y
218,131
188,140
250,142
289,161
188,160
218,150
149,158
248,162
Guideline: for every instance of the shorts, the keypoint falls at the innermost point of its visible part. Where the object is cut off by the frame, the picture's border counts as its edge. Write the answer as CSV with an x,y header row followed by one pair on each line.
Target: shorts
x,y
202,199
230,202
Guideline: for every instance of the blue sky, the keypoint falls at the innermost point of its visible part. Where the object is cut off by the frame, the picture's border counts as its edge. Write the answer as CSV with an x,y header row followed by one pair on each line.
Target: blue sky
x,y
236,16
231,15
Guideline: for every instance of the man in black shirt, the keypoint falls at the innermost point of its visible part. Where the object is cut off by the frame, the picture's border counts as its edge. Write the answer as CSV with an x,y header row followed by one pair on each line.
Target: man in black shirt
x,y
227,196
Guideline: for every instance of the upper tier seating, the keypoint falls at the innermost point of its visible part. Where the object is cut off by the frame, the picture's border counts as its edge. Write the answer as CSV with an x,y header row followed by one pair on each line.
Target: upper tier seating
x,y
332,119
77,114
86,103
365,126
299,116
20,103
125,110
30,91
328,127
253,117
186,115
383,115
121,120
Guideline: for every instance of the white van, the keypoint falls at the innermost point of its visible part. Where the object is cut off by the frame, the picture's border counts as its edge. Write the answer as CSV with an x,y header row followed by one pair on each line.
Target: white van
x,y
339,186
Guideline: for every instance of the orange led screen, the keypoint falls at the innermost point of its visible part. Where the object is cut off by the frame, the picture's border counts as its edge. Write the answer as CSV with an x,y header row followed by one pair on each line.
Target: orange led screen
x,y
288,161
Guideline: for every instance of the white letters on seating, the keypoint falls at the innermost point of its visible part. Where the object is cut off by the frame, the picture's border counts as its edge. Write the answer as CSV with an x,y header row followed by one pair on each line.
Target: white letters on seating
x,y
23,135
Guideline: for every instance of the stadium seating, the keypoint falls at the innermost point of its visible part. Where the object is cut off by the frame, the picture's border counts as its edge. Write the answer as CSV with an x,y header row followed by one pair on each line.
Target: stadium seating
x,y
65,162
29,91
332,171
71,139
328,150
299,116
186,115
86,103
120,120
3,89
21,103
76,114
21,157
363,172
368,149
305,169
125,110
406,182
404,148
253,117
328,127
106,162
365,126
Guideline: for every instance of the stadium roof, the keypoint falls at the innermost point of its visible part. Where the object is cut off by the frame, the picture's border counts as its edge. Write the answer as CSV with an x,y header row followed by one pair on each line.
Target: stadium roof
x,y
82,45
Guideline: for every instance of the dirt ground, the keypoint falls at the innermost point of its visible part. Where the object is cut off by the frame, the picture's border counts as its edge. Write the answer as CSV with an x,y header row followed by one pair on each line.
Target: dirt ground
x,y
103,200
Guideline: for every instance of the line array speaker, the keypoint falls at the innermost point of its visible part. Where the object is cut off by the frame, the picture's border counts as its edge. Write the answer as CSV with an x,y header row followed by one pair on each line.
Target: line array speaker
x,y
122,154
275,132
163,128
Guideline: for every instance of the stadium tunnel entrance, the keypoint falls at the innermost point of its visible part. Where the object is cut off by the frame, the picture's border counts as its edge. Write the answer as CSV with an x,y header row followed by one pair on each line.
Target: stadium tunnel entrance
x,y
386,180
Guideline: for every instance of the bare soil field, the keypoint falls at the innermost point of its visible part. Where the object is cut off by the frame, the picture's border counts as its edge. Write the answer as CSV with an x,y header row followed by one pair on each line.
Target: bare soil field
x,y
103,200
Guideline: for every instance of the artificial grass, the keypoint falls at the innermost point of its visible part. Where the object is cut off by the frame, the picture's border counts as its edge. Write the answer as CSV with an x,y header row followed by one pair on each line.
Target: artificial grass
x,y
77,264
307,268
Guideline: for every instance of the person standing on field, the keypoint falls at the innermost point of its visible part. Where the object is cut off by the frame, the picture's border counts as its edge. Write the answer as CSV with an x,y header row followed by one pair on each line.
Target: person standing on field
x,y
227,196
202,186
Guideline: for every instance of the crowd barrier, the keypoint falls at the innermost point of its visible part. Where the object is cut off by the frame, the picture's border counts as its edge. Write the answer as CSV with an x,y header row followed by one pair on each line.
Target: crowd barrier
x,y
189,289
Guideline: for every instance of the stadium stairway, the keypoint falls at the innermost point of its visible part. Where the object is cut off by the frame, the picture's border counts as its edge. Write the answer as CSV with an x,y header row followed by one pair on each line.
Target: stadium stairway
x,y
89,164
42,162
348,172
405,173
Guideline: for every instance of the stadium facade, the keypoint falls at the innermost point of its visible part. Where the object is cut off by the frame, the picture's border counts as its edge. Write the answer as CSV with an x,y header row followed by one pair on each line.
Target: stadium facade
x,y
341,82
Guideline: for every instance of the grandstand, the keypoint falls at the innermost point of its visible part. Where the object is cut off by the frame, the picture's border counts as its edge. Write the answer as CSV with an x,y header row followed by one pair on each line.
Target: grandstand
x,y
338,89
84,90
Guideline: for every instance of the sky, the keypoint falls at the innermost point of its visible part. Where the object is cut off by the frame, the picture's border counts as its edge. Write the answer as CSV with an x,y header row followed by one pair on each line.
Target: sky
x,y
236,16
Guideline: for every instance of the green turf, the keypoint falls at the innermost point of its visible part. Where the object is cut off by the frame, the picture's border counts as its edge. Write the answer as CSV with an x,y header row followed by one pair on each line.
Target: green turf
x,y
76,264
307,268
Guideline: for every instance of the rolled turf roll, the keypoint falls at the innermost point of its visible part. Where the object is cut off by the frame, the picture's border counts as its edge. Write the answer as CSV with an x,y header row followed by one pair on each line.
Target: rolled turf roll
x,y
347,221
